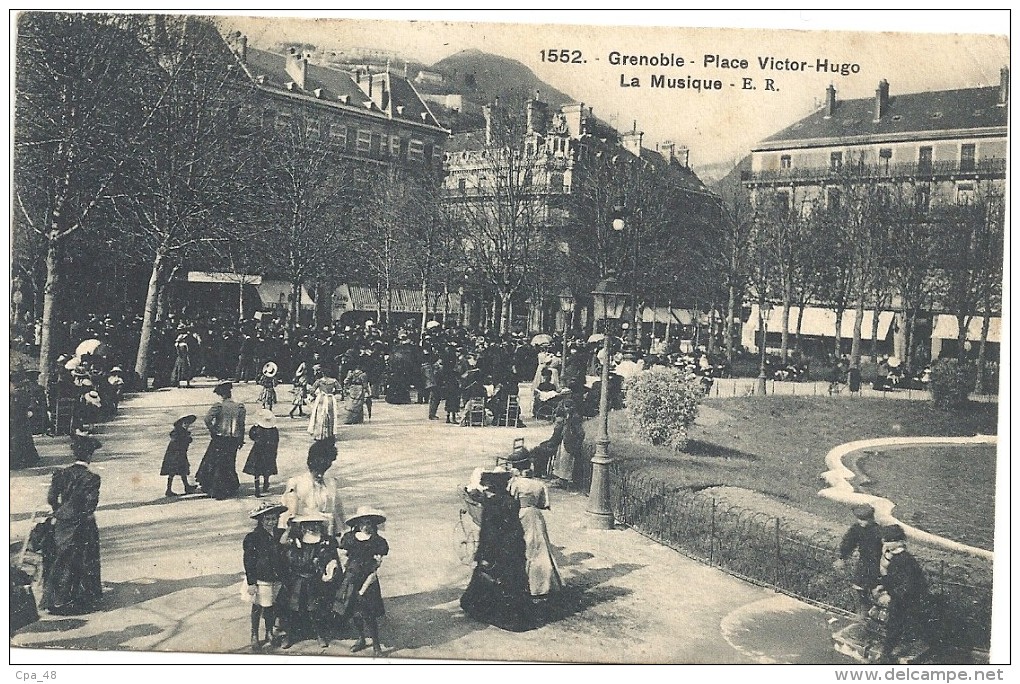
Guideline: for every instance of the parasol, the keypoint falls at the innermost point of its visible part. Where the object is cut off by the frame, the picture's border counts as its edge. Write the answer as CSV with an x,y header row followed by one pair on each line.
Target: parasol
x,y
597,337
432,324
87,347
893,362
541,339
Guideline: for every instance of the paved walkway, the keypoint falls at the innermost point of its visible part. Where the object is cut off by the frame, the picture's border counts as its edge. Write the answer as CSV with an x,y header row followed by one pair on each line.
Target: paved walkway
x,y
172,568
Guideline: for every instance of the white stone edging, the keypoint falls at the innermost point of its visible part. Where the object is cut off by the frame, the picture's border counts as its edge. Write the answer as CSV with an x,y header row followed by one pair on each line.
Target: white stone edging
x,y
838,478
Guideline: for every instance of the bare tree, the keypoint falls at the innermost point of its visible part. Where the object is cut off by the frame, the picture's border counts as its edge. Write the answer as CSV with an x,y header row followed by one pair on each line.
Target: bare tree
x,y
311,198
80,87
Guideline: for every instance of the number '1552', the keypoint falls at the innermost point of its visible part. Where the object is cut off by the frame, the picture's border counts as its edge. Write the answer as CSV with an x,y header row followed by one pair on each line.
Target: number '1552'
x,y
563,55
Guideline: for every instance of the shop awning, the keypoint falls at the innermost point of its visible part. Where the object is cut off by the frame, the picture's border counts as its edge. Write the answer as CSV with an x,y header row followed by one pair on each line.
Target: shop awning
x,y
663,314
402,300
948,328
278,292
819,322
223,278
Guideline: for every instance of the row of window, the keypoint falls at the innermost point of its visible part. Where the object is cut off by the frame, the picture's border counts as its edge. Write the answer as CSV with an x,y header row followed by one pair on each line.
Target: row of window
x,y
965,193
968,155
361,141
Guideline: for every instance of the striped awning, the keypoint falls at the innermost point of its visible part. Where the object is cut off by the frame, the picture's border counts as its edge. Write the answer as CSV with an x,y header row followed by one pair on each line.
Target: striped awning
x,y
947,328
402,300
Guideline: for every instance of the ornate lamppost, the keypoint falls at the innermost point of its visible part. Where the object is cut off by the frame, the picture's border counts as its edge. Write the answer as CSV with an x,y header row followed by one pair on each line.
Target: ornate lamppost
x,y
764,313
624,217
567,308
609,303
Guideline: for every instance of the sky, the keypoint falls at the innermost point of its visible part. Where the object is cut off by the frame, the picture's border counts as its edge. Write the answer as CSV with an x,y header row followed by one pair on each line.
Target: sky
x,y
915,51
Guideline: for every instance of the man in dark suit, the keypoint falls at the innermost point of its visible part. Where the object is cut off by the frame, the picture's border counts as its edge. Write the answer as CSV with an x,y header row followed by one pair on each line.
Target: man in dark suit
x,y
71,577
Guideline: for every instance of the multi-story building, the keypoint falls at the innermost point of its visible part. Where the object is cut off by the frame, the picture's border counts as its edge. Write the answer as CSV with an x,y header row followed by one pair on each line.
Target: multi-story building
x,y
947,145
372,117
947,140
550,169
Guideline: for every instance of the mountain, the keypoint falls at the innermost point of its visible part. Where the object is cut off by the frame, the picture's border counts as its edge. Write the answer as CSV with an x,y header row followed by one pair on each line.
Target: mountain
x,y
481,77
730,183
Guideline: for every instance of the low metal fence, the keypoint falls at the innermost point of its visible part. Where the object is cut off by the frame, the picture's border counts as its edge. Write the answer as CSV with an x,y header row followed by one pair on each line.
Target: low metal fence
x,y
769,551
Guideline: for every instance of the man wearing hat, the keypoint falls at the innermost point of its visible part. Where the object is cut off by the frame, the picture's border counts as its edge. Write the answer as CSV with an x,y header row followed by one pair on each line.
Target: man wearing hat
x,y
217,473
903,581
71,578
864,537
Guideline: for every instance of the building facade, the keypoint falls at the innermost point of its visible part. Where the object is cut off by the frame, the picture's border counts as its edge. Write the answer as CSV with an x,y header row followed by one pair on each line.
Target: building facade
x,y
549,174
376,118
947,147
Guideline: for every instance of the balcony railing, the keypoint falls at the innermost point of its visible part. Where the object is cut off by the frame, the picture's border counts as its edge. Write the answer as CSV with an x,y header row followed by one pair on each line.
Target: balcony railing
x,y
939,170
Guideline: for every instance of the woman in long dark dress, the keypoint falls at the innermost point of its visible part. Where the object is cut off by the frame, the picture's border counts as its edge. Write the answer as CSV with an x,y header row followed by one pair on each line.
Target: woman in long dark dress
x,y
71,578
217,473
498,592
22,446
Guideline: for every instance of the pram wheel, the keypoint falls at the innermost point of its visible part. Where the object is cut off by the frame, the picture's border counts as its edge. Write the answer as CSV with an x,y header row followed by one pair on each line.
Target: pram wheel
x,y
466,536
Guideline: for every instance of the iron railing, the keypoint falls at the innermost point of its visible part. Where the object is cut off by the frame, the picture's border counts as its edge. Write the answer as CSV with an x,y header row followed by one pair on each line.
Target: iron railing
x,y
769,551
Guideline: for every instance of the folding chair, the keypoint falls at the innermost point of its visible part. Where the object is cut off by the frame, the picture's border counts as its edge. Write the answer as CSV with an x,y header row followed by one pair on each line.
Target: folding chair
x,y
63,421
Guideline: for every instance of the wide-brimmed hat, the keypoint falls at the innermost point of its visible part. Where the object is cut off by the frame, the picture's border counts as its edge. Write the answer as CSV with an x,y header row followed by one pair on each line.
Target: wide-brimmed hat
x,y
185,421
270,369
366,514
312,517
266,508
301,369
224,388
266,419
116,369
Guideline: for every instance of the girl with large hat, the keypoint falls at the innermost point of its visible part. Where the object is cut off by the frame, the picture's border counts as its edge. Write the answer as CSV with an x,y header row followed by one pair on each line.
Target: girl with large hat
x,y
360,596
175,460
312,572
265,437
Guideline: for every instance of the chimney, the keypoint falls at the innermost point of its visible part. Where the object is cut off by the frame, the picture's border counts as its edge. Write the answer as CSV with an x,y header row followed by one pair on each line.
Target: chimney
x,y
369,82
881,100
297,68
1003,86
631,141
242,48
830,101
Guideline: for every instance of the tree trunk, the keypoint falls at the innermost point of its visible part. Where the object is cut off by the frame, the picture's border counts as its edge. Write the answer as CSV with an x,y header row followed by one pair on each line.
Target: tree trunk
x,y
49,316
785,339
979,386
731,310
505,313
295,304
963,323
855,345
874,329
148,321
798,337
839,334
669,322
424,305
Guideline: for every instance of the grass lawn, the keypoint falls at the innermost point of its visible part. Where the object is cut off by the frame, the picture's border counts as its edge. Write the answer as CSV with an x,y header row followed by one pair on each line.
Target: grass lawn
x,y
776,445
943,490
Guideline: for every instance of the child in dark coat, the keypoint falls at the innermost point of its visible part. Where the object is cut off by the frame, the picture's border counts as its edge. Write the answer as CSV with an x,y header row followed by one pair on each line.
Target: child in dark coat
x,y
175,461
263,569
265,437
360,596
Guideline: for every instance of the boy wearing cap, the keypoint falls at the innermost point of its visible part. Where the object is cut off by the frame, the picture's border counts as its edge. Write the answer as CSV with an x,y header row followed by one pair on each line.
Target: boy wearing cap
x,y
263,569
903,580
864,537
175,460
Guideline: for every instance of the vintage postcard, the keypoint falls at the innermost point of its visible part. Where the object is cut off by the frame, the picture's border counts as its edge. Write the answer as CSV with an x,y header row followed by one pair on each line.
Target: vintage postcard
x,y
503,337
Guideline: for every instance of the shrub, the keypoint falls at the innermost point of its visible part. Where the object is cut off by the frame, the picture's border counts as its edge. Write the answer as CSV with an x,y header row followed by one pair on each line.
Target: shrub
x,y
662,403
952,381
